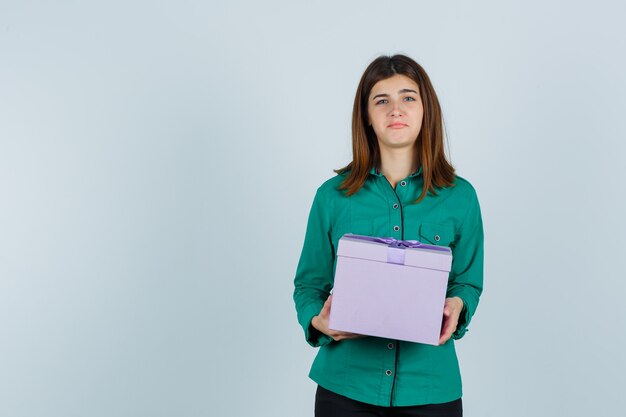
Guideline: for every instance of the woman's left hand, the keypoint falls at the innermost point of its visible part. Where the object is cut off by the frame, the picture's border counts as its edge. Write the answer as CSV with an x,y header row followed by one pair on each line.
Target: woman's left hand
x,y
451,311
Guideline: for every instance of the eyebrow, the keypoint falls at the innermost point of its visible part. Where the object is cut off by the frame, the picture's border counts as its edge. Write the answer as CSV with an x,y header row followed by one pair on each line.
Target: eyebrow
x,y
404,90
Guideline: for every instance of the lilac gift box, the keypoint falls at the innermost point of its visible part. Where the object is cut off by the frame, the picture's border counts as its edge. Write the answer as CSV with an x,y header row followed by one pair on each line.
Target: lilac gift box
x,y
390,288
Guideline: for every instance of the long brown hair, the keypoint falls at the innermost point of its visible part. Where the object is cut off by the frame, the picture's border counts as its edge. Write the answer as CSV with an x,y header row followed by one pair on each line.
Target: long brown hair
x,y
429,148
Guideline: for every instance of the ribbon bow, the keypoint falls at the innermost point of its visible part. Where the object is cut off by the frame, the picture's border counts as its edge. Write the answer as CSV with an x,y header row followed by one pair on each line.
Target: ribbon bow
x,y
396,247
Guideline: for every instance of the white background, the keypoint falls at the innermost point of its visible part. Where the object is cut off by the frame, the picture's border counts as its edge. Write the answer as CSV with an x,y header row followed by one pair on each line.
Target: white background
x,y
158,161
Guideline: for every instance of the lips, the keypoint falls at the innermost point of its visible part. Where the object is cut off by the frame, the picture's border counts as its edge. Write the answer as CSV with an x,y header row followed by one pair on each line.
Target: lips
x,y
397,125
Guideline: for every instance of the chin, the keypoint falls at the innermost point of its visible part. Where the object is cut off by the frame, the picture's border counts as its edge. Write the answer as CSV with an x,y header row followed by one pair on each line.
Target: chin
x,y
399,145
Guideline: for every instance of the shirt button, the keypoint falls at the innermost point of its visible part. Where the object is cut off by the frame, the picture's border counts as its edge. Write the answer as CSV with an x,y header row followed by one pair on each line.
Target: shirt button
x,y
396,228
390,345
437,238
395,206
388,372
403,183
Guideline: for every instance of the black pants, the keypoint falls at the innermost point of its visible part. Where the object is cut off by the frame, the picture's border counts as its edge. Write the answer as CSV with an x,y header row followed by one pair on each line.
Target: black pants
x,y
329,404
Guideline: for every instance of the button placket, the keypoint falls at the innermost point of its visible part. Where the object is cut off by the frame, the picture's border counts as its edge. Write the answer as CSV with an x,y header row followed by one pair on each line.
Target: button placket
x,y
396,213
396,217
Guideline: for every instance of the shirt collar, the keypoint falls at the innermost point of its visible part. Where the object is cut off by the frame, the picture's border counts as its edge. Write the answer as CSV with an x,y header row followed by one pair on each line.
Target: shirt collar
x,y
375,171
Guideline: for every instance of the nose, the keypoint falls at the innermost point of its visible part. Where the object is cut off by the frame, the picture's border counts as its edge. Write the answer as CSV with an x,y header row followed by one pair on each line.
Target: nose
x,y
396,109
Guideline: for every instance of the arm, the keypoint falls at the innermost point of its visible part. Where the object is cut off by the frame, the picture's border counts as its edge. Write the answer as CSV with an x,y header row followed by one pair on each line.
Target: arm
x,y
312,283
313,277
467,266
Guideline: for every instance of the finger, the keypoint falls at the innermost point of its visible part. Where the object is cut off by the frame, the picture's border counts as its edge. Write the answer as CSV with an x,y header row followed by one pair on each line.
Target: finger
x,y
445,335
347,336
447,331
340,335
444,329
328,301
445,326
325,309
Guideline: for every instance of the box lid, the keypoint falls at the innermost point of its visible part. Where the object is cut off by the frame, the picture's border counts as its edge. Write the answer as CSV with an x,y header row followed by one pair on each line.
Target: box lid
x,y
390,250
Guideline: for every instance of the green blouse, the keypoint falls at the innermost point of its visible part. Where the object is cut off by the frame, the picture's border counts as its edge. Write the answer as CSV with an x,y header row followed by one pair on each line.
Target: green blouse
x,y
377,370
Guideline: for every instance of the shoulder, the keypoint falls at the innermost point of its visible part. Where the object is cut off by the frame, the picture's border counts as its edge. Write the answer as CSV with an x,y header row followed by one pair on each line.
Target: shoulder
x,y
463,188
461,195
466,201
330,188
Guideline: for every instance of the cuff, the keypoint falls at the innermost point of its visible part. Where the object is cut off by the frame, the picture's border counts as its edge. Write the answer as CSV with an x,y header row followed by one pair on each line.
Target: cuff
x,y
313,336
461,327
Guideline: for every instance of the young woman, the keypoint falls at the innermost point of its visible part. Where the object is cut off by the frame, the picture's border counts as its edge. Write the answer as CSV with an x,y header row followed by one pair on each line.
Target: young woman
x,y
399,184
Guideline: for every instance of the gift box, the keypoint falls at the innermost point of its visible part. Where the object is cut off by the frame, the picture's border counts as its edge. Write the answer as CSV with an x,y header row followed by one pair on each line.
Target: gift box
x,y
390,288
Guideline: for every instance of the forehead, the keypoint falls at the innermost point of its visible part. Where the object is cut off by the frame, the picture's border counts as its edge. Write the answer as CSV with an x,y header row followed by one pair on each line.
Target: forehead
x,y
393,84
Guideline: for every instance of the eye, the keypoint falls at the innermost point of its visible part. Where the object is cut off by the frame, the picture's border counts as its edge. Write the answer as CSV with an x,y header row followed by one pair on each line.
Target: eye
x,y
382,101
409,99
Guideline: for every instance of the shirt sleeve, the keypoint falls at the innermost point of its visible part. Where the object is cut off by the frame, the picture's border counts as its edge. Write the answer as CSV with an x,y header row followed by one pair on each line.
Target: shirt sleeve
x,y
467,265
314,272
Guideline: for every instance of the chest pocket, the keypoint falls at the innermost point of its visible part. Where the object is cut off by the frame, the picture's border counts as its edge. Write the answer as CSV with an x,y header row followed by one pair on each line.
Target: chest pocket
x,y
437,234
361,227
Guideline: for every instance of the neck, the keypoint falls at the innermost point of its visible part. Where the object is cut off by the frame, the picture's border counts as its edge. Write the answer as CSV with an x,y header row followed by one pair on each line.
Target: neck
x,y
396,164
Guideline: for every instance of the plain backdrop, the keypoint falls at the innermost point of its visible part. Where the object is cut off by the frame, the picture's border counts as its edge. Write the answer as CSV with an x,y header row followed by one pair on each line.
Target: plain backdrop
x,y
158,161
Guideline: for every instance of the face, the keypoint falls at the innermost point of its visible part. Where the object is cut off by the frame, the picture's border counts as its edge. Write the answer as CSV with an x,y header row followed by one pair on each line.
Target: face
x,y
395,111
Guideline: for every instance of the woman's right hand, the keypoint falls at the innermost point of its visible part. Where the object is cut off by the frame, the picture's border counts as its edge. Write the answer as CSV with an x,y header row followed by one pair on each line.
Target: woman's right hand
x,y
320,322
